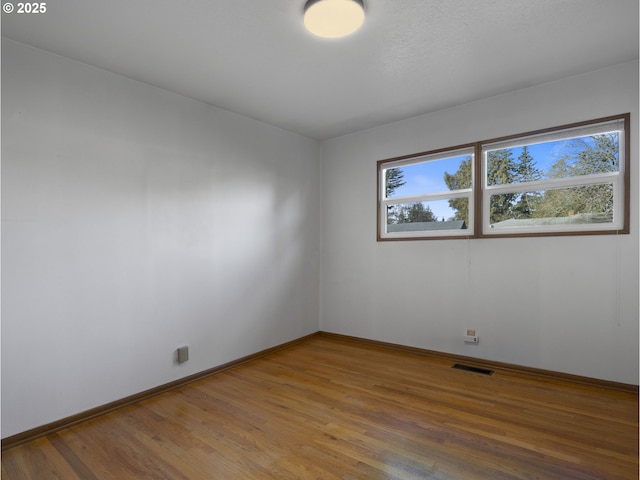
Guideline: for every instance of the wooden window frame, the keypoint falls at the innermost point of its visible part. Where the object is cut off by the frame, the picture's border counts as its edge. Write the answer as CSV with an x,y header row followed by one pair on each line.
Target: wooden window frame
x,y
480,191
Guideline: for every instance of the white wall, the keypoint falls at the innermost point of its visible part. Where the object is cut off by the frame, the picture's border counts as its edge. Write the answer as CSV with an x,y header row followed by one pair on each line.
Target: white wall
x,y
134,221
566,304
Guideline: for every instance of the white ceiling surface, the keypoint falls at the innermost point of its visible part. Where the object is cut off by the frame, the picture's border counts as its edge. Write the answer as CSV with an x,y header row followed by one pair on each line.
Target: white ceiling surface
x,y
253,57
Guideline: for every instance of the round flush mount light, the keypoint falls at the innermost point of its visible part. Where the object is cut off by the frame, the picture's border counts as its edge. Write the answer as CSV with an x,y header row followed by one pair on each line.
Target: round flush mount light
x,y
333,18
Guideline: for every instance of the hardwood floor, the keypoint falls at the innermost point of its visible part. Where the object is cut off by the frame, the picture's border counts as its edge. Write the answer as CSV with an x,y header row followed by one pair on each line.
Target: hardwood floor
x,y
334,409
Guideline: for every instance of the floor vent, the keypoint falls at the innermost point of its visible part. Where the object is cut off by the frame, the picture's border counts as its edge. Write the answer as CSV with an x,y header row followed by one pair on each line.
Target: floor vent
x,y
469,368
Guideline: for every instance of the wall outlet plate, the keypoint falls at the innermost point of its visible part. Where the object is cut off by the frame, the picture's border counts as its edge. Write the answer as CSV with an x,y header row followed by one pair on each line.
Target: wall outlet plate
x,y
470,339
183,354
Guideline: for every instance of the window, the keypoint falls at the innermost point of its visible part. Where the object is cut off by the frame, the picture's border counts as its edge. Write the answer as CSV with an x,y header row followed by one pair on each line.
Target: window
x,y
561,181
427,195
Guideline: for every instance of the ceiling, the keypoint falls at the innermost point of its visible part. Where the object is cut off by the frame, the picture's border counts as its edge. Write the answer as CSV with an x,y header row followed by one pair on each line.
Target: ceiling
x,y
255,58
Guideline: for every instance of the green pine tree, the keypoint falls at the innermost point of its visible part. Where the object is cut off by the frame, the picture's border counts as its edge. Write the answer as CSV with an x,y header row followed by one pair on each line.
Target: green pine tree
x,y
526,171
459,181
394,179
501,170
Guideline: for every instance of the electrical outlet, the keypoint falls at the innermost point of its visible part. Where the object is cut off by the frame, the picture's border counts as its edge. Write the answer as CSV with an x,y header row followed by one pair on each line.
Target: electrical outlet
x,y
470,339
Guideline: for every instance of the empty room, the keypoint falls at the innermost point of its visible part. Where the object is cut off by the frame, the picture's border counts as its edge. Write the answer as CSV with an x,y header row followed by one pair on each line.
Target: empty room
x,y
320,239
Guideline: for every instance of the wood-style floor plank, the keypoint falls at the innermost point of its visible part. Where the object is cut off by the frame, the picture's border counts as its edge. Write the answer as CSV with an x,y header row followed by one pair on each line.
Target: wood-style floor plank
x,y
330,408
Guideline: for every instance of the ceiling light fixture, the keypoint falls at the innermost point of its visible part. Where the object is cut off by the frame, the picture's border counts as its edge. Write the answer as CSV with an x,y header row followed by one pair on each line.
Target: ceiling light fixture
x,y
333,18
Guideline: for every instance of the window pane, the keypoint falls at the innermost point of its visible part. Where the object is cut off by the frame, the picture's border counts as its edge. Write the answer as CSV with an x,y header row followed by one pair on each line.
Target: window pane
x,y
432,176
428,216
586,155
587,204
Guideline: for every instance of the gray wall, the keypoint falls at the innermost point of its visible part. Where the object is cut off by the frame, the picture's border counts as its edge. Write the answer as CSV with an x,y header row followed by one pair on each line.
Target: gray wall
x,y
135,221
566,304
